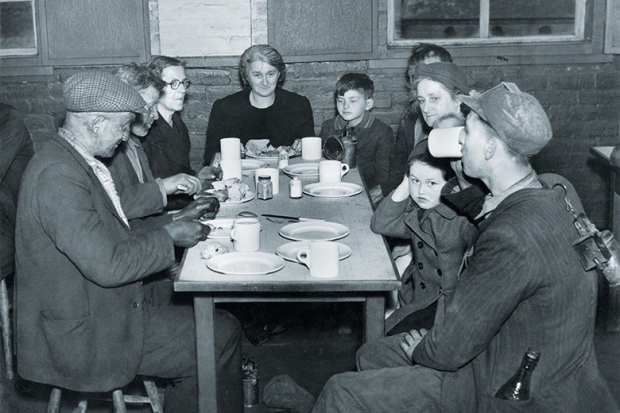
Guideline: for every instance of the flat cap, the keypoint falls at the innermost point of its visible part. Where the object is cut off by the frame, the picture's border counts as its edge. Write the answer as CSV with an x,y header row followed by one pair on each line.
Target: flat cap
x,y
517,117
98,91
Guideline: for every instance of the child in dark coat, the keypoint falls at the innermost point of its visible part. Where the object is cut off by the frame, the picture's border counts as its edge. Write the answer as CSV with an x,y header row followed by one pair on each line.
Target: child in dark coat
x,y
439,237
375,139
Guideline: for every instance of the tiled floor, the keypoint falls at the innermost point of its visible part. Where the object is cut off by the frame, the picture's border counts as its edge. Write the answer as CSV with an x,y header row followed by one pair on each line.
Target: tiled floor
x,y
310,351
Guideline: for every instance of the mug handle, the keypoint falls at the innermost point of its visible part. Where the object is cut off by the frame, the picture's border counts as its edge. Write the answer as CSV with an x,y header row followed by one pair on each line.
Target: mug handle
x,y
303,256
232,234
345,169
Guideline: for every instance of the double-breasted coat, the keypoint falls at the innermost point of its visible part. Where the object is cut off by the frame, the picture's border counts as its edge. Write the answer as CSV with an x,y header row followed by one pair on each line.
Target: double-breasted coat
x,y
439,239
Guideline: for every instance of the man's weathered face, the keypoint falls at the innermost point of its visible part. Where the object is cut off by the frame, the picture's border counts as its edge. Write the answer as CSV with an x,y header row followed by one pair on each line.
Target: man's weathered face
x,y
110,132
474,141
141,125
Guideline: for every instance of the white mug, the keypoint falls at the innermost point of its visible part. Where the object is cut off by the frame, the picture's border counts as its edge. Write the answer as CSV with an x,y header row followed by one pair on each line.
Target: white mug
x,y
231,168
245,234
332,171
274,173
322,258
230,148
444,142
311,148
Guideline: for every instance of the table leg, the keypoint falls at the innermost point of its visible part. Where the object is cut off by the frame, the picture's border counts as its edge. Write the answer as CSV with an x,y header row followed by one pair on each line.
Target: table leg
x,y
204,318
374,321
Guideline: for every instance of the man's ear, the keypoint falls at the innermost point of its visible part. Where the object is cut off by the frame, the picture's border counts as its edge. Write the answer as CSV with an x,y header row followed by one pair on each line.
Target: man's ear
x,y
490,148
96,123
370,102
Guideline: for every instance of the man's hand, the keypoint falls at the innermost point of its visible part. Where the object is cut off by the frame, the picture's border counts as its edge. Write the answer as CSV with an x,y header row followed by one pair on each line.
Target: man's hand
x,y
296,145
186,233
182,184
203,208
412,338
463,180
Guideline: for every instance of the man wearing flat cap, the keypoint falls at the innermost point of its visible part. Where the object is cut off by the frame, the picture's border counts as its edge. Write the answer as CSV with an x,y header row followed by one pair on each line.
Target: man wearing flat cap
x,y
82,321
522,286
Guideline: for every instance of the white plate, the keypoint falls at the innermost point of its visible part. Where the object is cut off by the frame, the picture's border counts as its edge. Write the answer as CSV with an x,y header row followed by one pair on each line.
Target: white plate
x,y
246,263
314,231
222,227
332,189
270,158
249,195
302,170
249,166
289,251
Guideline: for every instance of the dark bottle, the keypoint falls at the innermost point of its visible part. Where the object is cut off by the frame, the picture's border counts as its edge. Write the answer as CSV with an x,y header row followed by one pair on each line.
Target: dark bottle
x,y
517,388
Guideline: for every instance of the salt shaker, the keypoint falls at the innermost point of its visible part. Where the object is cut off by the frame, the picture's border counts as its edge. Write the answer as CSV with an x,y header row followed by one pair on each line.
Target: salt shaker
x,y
283,159
295,187
264,187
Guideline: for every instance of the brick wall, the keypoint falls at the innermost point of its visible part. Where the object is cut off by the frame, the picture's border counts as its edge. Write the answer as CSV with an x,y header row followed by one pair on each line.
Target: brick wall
x,y
582,102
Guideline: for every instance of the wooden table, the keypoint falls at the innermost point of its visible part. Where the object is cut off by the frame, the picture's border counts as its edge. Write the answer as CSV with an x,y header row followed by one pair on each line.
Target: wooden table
x,y
365,276
603,153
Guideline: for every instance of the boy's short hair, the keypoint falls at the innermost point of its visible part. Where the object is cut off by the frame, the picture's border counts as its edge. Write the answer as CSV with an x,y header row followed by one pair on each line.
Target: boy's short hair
x,y
355,81
422,154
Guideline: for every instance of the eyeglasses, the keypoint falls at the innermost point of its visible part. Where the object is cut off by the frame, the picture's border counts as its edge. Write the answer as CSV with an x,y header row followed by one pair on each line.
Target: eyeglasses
x,y
176,83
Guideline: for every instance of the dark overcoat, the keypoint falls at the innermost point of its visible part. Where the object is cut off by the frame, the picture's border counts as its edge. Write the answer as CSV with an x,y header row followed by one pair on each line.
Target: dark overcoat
x,y
79,298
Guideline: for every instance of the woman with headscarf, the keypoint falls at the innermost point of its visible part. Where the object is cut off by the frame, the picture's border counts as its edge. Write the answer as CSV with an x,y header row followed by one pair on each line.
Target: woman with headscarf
x,y
262,110
435,87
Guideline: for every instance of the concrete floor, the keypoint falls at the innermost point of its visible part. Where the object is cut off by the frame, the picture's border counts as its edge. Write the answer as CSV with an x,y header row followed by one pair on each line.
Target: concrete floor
x,y
296,352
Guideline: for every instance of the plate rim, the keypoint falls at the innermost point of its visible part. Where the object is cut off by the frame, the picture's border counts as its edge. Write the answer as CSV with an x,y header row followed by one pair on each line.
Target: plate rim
x,y
278,267
287,170
206,222
270,158
355,188
251,195
347,255
260,164
310,223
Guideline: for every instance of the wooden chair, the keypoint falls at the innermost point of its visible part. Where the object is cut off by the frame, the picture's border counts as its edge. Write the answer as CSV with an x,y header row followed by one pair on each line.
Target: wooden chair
x,y
5,321
155,399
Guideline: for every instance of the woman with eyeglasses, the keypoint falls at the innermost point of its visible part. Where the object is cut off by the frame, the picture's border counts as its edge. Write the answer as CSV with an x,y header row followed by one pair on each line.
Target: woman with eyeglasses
x,y
167,144
262,110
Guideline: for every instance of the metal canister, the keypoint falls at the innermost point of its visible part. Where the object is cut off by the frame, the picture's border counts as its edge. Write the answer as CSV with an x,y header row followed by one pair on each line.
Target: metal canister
x,y
350,151
250,382
264,187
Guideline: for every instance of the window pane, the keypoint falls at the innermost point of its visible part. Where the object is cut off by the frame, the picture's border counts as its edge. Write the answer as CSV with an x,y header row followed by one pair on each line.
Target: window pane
x,y
531,17
436,19
17,33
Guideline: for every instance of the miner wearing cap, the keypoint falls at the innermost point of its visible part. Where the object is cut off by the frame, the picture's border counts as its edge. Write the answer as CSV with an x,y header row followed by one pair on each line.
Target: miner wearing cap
x,y
522,286
81,319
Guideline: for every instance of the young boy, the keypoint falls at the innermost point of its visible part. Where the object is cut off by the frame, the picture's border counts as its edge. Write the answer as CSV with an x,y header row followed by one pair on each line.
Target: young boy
x,y
374,138
438,235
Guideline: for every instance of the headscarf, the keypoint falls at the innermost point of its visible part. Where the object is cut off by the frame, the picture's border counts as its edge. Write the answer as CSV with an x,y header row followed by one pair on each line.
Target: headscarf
x,y
446,73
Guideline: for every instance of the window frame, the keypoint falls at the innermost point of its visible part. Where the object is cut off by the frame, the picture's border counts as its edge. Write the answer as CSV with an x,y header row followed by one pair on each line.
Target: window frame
x,y
588,50
484,18
29,52
44,61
